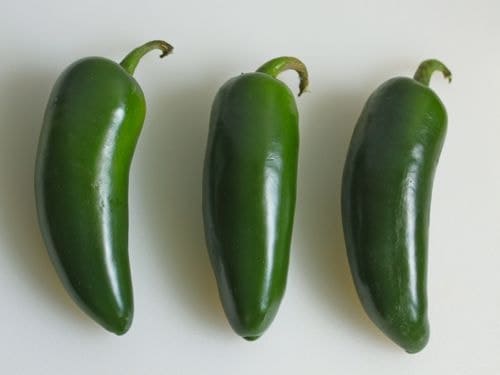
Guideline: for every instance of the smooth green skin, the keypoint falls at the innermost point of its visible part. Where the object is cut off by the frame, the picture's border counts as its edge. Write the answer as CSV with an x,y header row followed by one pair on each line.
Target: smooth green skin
x,y
386,196
249,189
93,119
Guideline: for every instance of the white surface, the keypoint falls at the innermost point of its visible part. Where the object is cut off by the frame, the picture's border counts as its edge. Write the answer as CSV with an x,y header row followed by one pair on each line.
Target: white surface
x,y
179,328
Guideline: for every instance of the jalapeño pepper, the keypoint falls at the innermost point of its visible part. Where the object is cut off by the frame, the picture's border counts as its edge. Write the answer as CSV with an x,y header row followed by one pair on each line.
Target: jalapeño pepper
x,y
92,122
249,191
386,197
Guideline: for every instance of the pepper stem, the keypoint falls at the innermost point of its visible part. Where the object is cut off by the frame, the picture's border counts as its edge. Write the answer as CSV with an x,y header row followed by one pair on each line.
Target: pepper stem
x,y
280,64
129,63
427,68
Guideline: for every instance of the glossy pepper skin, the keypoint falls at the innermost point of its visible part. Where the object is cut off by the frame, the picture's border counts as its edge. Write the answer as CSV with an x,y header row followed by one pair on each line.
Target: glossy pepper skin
x,y
92,122
386,196
249,188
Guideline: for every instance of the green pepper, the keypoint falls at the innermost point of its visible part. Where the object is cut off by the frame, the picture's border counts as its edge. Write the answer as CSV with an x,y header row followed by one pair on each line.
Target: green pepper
x,y
249,188
92,122
386,197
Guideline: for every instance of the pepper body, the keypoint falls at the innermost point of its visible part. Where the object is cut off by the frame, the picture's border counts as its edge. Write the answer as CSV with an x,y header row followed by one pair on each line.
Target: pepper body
x,y
386,197
91,126
249,189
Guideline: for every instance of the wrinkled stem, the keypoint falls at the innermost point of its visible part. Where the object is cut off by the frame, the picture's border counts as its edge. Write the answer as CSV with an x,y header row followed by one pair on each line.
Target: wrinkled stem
x,y
280,64
427,68
129,63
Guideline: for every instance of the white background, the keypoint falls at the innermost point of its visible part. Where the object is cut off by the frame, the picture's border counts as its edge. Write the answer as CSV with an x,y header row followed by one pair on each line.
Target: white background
x,y
179,328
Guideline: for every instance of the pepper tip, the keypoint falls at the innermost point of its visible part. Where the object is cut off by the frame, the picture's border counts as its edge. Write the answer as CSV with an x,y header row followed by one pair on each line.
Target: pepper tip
x,y
251,338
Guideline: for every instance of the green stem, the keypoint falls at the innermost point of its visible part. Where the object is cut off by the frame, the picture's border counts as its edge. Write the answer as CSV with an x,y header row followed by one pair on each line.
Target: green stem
x,y
129,63
280,64
427,68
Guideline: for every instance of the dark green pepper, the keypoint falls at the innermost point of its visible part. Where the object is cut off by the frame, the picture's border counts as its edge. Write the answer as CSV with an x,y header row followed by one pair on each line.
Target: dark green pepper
x,y
92,122
386,196
249,190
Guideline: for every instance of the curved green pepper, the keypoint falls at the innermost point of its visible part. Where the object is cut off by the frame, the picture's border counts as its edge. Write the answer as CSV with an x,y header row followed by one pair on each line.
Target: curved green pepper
x,y
92,122
249,190
386,196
